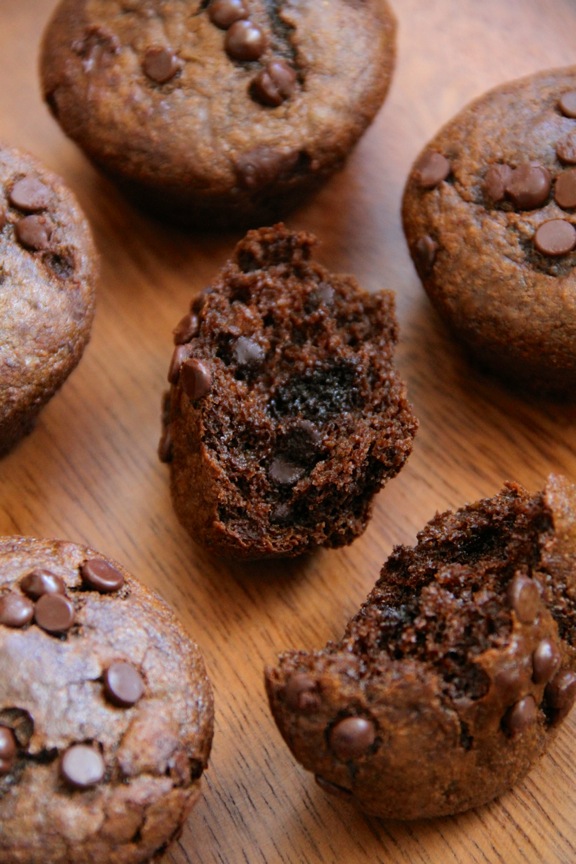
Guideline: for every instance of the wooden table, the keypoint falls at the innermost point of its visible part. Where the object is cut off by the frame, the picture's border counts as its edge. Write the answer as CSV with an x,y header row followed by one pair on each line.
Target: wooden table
x,y
90,473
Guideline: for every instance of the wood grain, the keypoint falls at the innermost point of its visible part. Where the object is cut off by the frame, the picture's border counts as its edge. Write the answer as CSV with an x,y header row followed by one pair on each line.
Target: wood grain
x,y
89,472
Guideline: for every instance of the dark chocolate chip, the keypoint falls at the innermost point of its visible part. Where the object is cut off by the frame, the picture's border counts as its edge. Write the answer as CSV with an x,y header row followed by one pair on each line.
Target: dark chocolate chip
x,y
196,378
560,694
284,472
82,766
528,186
274,83
522,715
555,237
425,250
123,684
566,148
39,582
332,788
223,13
431,169
160,64
545,660
524,597
54,613
263,166
495,182
99,574
567,103
8,749
247,352
34,231
565,189
15,610
352,737
301,693
186,329
30,194
179,355
244,41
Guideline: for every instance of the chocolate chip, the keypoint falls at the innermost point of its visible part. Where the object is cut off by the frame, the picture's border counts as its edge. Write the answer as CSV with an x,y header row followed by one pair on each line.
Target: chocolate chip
x,y
247,352
160,64
284,472
82,766
431,169
262,166
223,13
8,750
275,83
123,684
565,189
97,47
566,148
528,186
196,378
179,355
545,660
54,613
567,103
39,582
15,610
524,597
186,329
30,194
495,182
352,737
555,237
34,231
522,715
560,694
99,574
244,41
301,693
425,250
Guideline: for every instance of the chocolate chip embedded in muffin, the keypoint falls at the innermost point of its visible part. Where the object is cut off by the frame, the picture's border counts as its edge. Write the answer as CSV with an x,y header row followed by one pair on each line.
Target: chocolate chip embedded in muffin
x,y
106,712
488,213
172,100
285,414
48,272
453,677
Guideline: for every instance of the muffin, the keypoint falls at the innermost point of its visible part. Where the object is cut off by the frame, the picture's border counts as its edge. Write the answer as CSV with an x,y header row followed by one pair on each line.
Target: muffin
x,y
217,113
48,275
285,414
457,671
105,710
489,213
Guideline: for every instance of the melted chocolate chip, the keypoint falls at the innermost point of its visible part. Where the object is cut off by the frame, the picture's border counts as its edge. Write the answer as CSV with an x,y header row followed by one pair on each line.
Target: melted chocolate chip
x,y
285,473
566,148
244,41
524,598
495,182
96,48
30,194
560,694
528,186
567,103
196,379
301,693
565,189
99,574
15,610
545,660
522,715
54,613
34,231
247,352
223,13
160,64
186,329
431,169
39,582
275,83
8,750
123,684
425,250
352,737
179,355
263,166
555,237
82,766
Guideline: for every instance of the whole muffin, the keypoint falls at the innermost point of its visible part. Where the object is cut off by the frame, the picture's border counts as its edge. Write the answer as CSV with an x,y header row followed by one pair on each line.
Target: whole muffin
x,y
217,113
106,711
285,415
455,674
48,273
490,218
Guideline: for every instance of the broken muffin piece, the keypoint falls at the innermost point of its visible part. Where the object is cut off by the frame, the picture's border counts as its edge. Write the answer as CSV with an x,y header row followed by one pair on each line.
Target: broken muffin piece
x,y
285,415
456,672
